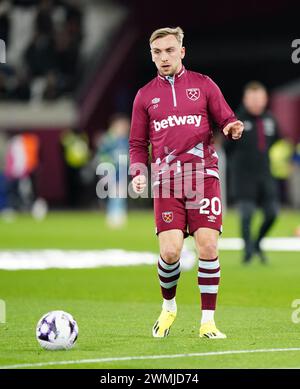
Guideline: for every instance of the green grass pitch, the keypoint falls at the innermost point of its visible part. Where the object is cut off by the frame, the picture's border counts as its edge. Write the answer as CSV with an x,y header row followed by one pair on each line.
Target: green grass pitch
x,y
116,307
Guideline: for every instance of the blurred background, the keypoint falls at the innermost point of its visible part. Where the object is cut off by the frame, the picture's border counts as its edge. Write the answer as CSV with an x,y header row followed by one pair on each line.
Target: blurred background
x,y
71,65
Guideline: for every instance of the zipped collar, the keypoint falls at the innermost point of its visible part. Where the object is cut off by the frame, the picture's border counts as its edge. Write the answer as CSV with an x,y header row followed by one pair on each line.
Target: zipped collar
x,y
177,76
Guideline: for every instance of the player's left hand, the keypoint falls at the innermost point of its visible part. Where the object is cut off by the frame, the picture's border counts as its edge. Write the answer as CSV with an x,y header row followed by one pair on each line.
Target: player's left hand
x,y
235,129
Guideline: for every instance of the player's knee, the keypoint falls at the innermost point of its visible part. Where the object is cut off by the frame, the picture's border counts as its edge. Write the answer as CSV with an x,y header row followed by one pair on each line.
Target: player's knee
x,y
208,250
170,254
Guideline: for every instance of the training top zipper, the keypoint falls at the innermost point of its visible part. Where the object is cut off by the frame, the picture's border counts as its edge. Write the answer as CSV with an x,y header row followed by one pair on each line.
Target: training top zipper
x,y
172,81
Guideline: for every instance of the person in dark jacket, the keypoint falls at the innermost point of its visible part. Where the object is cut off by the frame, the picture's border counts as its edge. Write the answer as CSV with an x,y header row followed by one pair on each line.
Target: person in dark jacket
x,y
252,182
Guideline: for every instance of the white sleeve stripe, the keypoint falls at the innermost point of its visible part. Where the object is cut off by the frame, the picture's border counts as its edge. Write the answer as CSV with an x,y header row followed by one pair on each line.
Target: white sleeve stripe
x,y
212,173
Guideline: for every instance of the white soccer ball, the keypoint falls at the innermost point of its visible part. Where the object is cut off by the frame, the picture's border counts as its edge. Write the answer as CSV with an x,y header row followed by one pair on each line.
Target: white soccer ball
x,y
57,330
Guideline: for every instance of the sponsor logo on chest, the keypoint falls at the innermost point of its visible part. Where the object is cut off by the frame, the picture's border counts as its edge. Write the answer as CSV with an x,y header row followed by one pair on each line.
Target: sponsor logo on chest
x,y
173,120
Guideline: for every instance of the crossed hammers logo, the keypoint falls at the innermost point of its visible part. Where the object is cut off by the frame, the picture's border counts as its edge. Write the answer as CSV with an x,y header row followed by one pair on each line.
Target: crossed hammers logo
x,y
193,93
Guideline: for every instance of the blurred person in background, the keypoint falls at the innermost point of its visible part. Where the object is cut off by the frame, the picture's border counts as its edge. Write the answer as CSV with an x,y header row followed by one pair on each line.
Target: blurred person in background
x,y
51,59
252,181
49,66
39,56
21,163
294,181
114,144
281,154
76,155
67,40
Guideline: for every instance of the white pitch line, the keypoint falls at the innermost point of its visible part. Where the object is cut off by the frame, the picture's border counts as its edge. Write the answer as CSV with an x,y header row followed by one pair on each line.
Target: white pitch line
x,y
145,357
79,259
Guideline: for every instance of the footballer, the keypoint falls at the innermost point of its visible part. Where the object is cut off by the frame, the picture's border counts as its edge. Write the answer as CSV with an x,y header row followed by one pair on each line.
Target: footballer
x,y
175,114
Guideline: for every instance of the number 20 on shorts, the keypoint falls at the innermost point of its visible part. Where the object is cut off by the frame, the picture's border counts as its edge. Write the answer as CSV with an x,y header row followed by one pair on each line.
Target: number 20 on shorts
x,y
213,205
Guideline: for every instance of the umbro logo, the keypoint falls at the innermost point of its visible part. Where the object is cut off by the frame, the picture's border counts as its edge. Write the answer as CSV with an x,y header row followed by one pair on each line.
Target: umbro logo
x,y
156,100
211,218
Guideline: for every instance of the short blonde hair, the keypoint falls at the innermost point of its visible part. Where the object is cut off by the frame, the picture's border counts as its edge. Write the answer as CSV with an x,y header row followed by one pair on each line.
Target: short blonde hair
x,y
254,86
162,32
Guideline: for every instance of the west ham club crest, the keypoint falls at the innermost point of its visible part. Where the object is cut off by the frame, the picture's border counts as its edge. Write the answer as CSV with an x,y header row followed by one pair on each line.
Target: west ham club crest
x,y
167,217
193,93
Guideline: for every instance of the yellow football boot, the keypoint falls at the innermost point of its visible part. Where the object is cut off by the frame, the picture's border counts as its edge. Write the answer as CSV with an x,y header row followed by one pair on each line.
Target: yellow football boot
x,y
209,330
162,326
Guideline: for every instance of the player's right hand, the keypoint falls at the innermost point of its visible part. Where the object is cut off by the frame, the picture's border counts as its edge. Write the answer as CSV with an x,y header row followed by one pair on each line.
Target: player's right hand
x,y
234,129
139,183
